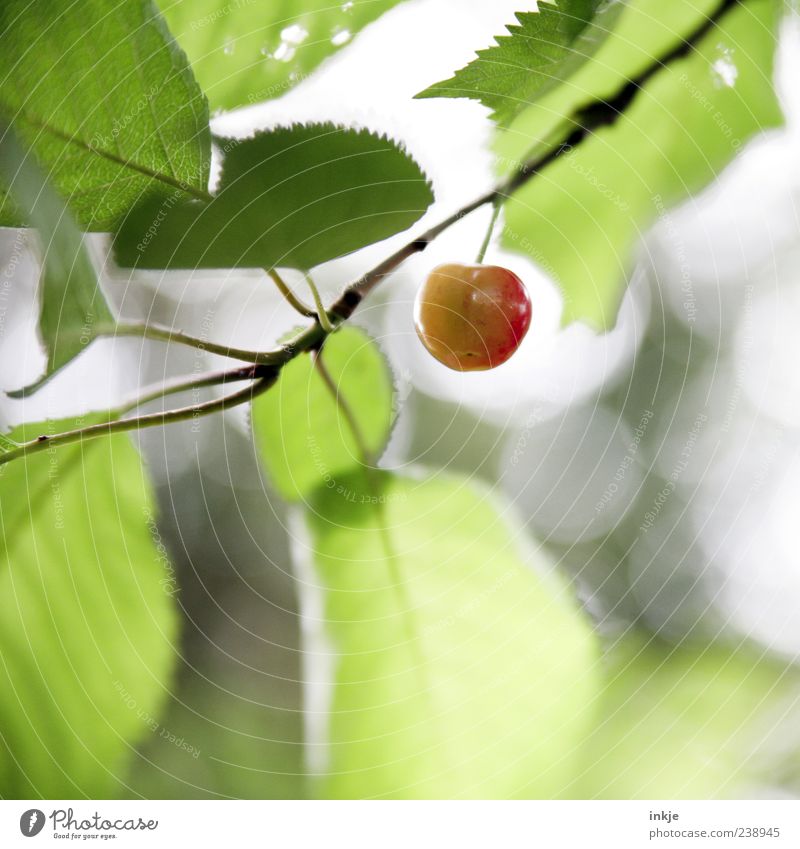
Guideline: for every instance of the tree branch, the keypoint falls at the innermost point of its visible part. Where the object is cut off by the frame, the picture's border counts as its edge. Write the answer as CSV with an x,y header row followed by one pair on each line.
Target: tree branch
x,y
184,384
45,441
163,334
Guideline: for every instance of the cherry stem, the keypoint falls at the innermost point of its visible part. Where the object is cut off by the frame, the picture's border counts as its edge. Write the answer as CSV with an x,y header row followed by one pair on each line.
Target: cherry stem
x,y
489,230
290,296
344,408
321,314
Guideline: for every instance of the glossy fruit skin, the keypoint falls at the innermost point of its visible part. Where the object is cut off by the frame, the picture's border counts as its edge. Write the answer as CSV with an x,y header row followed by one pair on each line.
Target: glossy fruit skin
x,y
472,317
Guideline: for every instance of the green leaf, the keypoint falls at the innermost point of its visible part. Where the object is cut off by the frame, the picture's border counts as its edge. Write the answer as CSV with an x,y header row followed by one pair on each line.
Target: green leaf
x,y
71,303
305,440
253,50
460,671
102,95
219,743
582,218
292,197
86,617
546,48
683,723
643,31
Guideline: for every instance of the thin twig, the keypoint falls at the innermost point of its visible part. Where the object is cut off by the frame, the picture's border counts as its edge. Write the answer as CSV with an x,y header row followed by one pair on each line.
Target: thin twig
x,y
163,334
184,384
321,314
46,441
290,296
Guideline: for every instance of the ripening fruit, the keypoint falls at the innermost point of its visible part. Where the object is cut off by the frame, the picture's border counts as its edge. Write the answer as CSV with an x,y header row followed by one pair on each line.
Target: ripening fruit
x,y
472,317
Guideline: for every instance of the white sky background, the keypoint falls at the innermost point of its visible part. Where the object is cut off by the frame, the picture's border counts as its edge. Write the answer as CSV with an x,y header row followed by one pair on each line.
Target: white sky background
x,y
744,228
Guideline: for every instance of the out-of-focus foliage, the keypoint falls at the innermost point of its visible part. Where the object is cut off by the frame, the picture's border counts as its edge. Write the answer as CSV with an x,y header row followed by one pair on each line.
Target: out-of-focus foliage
x,y
251,50
293,197
460,671
232,725
87,619
687,723
101,94
304,437
71,301
583,217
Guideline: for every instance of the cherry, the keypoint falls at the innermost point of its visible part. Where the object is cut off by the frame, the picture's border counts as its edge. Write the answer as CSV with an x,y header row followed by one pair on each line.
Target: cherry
x,y
472,317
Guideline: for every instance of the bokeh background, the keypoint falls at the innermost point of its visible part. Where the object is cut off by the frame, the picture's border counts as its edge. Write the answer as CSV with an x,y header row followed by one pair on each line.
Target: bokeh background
x,y
659,463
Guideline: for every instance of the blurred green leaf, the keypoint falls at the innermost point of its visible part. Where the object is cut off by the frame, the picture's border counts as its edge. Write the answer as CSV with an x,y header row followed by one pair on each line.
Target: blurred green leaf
x,y
102,95
543,50
86,617
219,742
235,712
583,216
688,723
71,303
644,30
304,439
460,671
294,197
252,50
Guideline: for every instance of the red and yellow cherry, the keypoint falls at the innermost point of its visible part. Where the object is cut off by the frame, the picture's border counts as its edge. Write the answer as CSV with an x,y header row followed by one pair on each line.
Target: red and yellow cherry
x,y
472,317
